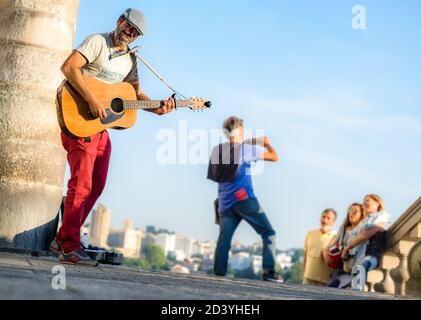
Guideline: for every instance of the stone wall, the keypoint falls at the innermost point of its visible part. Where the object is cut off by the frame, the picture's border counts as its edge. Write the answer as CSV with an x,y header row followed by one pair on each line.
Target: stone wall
x,y
400,266
35,36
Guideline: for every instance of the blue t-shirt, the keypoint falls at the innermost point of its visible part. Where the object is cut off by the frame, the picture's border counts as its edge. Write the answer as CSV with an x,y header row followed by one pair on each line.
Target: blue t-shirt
x,y
229,193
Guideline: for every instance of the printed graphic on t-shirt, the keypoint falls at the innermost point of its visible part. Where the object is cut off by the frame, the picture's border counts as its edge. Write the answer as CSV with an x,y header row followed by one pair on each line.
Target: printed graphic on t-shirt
x,y
110,76
241,195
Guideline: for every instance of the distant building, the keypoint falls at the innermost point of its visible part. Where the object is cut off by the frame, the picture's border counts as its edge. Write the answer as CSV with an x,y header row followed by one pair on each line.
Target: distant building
x,y
166,242
180,255
184,244
116,238
237,246
257,263
257,246
284,260
128,241
240,260
100,225
204,248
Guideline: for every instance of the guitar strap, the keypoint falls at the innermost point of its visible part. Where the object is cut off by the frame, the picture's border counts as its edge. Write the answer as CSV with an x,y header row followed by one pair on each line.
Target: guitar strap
x,y
133,51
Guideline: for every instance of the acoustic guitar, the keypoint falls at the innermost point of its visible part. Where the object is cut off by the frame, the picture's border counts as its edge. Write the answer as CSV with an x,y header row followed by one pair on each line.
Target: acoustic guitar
x,y
119,100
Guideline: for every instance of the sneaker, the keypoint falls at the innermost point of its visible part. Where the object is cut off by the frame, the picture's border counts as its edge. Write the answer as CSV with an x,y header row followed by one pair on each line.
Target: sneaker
x,y
79,257
55,246
272,277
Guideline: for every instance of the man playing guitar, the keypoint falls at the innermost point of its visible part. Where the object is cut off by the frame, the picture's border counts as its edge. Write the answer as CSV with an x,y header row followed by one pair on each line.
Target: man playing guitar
x,y
89,157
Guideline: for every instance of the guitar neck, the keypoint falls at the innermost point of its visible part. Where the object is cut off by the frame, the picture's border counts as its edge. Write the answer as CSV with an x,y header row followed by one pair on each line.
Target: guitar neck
x,y
151,104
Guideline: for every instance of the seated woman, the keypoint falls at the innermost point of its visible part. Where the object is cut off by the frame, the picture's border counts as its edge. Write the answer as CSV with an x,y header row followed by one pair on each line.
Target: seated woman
x,y
341,278
368,238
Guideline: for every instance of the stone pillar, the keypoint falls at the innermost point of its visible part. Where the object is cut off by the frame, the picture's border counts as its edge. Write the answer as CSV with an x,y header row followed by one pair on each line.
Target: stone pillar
x,y
414,266
400,274
389,261
35,38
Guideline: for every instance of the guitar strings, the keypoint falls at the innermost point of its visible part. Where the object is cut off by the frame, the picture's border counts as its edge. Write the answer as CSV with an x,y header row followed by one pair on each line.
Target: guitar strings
x,y
108,103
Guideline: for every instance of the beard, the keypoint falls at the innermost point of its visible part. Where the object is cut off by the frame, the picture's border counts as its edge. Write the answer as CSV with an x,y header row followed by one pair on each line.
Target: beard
x,y
121,38
325,228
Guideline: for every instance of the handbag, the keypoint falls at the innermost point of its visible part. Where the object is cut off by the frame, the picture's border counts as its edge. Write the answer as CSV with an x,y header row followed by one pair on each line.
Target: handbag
x,y
335,254
335,257
216,208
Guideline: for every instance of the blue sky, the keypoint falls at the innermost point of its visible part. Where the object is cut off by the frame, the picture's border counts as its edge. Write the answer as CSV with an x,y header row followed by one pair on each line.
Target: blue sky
x,y
340,105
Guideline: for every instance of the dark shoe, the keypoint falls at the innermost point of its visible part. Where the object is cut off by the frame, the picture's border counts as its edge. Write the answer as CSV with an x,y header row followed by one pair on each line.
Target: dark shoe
x,y
55,246
79,257
91,248
272,277
94,252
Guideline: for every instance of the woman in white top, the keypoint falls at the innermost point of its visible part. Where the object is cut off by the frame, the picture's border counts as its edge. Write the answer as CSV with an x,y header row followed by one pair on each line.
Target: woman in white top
x,y
367,240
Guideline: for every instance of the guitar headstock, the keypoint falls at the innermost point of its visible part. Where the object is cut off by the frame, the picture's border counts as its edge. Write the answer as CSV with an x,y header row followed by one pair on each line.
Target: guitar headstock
x,y
199,103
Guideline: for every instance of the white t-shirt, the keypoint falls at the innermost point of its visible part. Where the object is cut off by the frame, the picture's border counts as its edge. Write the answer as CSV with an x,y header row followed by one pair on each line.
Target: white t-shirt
x,y
369,222
97,49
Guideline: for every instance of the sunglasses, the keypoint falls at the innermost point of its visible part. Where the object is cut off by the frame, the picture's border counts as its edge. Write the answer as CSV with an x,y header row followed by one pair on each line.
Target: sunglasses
x,y
133,30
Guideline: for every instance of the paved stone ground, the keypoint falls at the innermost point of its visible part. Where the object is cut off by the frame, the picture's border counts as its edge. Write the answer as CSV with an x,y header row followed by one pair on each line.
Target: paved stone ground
x,y
28,277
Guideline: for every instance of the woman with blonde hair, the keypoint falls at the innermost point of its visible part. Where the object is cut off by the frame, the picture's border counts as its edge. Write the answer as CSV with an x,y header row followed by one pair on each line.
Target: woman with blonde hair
x,y
367,240
341,278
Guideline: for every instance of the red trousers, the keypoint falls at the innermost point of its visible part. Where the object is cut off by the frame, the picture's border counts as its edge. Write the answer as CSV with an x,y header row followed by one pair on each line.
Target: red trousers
x,y
88,160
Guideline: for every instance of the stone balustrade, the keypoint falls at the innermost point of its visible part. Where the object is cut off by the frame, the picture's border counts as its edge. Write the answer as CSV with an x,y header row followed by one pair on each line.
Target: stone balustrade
x,y
399,271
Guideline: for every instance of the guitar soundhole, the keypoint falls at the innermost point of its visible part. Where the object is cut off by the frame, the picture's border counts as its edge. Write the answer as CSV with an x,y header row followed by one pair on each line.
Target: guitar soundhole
x,y
117,105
